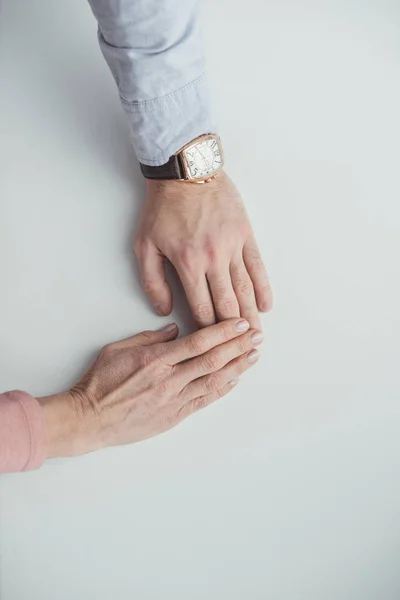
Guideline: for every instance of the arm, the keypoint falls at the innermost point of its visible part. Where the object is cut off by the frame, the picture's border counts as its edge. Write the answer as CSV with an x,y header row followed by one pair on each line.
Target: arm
x,y
154,50
136,389
155,53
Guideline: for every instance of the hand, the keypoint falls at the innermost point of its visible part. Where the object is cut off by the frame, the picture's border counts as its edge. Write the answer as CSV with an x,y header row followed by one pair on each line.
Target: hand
x,y
204,231
147,384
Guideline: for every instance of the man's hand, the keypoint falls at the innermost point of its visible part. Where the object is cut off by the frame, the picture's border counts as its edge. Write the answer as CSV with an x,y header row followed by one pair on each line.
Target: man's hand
x,y
204,231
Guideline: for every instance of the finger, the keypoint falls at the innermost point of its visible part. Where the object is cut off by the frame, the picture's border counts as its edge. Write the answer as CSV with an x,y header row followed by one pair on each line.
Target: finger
x,y
244,291
199,298
197,404
202,341
224,299
152,274
215,381
258,274
216,358
147,338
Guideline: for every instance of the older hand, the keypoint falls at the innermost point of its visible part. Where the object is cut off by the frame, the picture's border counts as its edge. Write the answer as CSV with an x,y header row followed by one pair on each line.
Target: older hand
x,y
147,384
204,231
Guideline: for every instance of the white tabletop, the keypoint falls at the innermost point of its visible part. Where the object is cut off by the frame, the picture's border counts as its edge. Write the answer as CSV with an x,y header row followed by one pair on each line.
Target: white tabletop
x,y
289,488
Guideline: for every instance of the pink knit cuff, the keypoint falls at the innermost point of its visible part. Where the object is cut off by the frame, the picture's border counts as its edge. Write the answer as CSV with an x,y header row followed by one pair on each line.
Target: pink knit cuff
x,y
22,435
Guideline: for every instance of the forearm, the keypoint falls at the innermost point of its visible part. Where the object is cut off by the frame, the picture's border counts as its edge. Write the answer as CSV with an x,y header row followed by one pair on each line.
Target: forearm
x,y
155,52
65,433
33,429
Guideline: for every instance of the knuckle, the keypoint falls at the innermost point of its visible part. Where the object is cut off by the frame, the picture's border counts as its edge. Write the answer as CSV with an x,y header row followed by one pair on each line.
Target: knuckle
x,y
219,394
250,310
226,332
210,361
236,271
203,310
163,388
266,288
188,259
145,336
241,365
255,259
245,288
197,344
227,306
242,344
108,350
211,251
162,351
258,264
199,403
146,358
148,286
213,383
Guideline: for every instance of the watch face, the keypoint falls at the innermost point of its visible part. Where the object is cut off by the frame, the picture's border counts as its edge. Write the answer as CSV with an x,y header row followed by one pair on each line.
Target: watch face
x,y
203,158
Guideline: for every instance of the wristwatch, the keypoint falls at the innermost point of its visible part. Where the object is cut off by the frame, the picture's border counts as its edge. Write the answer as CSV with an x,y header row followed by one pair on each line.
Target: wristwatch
x,y
199,161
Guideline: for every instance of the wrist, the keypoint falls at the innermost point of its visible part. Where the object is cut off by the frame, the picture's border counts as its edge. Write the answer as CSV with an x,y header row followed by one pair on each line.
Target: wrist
x,y
185,187
63,428
198,161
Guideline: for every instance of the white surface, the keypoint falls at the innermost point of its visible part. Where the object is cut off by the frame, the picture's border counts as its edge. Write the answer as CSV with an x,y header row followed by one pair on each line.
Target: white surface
x,y
289,489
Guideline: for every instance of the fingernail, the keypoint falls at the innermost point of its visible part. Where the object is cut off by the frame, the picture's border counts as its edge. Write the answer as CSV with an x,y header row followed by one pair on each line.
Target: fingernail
x,y
161,309
168,328
253,356
242,326
257,337
234,381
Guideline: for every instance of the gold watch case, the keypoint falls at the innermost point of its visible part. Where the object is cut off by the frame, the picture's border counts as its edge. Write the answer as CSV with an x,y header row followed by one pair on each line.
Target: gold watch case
x,y
202,158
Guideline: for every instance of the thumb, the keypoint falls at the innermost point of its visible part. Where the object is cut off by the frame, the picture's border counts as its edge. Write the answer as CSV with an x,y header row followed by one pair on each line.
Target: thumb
x,y
154,283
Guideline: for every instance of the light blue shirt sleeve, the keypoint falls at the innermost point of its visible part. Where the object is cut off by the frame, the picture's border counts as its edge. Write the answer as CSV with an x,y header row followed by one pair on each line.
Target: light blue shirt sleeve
x,y
155,52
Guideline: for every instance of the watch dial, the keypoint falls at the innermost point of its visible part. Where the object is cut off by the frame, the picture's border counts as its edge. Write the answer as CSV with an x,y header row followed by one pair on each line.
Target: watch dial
x,y
203,158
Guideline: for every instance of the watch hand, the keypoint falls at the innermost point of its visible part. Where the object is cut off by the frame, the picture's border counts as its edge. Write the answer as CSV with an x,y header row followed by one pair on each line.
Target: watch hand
x,y
204,158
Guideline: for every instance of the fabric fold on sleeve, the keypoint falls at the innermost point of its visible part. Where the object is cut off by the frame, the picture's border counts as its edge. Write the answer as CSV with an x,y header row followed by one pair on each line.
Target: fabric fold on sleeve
x,y
155,52
161,126
22,434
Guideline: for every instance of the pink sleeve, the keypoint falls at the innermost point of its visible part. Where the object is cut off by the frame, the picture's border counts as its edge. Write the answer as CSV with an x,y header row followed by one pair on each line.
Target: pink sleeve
x,y
22,439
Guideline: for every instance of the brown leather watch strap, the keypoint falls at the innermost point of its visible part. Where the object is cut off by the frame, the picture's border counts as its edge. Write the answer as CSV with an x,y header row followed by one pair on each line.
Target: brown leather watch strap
x,y
170,170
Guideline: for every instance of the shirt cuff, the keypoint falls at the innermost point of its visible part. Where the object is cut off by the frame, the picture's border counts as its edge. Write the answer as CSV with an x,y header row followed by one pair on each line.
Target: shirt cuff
x,y
161,126
22,435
